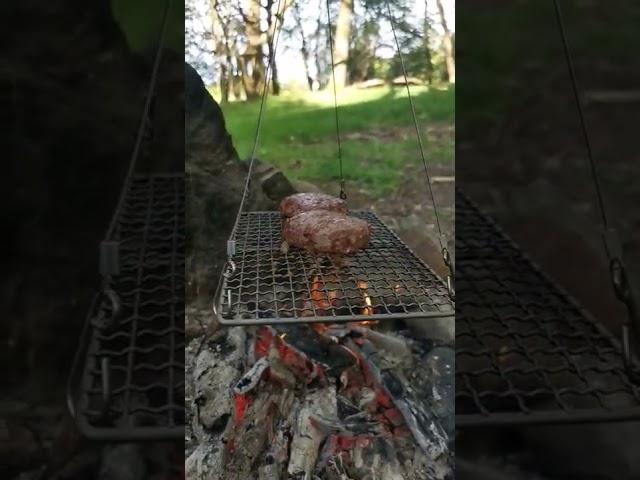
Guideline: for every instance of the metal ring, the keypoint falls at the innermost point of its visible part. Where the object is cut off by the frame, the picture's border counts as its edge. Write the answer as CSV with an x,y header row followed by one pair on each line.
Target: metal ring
x,y
619,280
108,310
230,269
446,256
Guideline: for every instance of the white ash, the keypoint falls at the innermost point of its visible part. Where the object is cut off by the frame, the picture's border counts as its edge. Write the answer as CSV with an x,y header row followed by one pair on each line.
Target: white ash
x,y
287,425
307,438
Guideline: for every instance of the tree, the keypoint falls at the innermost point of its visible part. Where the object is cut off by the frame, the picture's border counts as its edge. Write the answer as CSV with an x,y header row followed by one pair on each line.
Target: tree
x,y
252,60
274,21
304,48
426,39
447,44
341,42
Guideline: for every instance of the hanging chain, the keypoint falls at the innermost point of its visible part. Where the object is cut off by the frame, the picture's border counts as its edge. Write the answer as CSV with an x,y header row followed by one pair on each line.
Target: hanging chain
x,y
617,270
343,194
444,247
231,244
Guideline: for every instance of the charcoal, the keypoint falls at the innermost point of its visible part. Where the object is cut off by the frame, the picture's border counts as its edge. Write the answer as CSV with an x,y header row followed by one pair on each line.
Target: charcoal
x,y
346,407
307,438
122,462
385,341
441,364
319,348
441,329
213,378
425,428
301,413
205,462
251,379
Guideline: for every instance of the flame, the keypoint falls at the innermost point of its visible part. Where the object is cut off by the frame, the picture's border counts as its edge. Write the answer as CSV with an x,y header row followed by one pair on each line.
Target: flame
x,y
368,309
322,295
282,336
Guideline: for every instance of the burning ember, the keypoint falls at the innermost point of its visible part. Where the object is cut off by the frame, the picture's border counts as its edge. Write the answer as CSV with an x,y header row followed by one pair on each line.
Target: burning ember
x,y
323,296
323,402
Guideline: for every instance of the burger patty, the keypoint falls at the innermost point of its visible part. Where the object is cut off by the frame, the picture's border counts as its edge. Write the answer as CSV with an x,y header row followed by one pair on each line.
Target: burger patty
x,y
320,231
306,202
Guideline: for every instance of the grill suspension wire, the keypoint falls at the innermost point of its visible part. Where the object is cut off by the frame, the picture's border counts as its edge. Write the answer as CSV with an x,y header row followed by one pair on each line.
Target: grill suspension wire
x,y
446,256
623,289
109,253
236,249
230,268
231,243
343,194
145,116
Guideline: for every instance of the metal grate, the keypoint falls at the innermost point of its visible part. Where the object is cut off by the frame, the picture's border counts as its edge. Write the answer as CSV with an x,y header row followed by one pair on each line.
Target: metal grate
x,y
525,351
132,379
384,281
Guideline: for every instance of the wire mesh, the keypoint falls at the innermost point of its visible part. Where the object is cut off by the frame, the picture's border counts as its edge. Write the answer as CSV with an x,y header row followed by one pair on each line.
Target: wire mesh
x,y
133,377
386,280
525,351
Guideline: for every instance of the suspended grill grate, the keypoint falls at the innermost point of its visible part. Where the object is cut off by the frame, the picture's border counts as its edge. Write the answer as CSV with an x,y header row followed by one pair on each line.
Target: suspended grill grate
x,y
386,280
525,351
132,379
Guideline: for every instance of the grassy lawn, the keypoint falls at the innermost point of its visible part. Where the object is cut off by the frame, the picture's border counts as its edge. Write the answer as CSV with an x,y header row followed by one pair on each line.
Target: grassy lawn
x,y
378,139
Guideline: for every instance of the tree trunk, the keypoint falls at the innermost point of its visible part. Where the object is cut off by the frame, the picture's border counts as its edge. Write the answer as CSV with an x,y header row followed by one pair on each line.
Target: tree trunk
x,y
271,24
253,62
304,50
224,83
447,45
274,21
341,47
317,53
427,43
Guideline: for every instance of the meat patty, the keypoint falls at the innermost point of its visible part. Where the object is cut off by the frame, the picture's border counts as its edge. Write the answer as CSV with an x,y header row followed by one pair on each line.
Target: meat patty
x,y
306,202
320,231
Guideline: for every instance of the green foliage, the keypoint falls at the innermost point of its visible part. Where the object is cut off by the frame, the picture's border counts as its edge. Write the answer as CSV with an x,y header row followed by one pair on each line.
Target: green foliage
x,y
140,21
379,144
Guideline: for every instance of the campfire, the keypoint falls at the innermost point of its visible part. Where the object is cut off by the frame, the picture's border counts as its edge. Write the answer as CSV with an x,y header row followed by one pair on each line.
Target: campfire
x,y
335,401
307,384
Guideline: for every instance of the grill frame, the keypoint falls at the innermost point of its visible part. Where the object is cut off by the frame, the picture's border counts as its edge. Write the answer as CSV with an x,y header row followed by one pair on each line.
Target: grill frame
x,y
608,345
147,339
260,250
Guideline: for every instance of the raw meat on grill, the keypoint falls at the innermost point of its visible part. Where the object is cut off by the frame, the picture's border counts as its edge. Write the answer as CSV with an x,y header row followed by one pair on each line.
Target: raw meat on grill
x,y
320,231
305,202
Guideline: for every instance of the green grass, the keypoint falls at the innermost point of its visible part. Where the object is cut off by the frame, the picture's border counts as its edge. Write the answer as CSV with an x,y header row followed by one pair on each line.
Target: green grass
x,y
298,133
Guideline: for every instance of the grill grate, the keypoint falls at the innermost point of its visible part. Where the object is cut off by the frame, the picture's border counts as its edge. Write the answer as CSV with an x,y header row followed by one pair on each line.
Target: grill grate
x,y
384,281
525,351
141,357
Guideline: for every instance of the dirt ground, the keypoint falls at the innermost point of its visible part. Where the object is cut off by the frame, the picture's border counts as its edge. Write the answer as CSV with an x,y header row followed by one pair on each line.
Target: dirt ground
x,y
409,208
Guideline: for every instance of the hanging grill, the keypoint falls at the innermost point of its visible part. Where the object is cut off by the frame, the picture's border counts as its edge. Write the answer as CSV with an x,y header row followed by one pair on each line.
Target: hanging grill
x,y
261,284
525,351
384,281
130,370
127,380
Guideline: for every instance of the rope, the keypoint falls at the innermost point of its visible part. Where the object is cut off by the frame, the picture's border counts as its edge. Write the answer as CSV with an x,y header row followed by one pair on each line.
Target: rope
x,y
343,194
274,46
445,251
143,121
